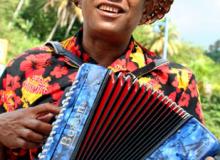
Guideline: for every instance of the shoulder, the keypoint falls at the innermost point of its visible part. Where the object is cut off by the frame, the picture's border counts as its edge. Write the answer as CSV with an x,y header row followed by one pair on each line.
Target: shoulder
x,y
168,67
175,75
32,53
178,69
169,76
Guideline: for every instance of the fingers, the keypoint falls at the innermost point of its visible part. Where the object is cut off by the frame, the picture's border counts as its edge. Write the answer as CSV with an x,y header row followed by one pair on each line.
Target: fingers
x,y
38,126
46,118
21,143
46,108
30,135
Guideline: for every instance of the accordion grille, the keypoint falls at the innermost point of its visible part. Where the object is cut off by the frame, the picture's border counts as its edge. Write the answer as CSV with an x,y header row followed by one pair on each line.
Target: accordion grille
x,y
111,117
129,121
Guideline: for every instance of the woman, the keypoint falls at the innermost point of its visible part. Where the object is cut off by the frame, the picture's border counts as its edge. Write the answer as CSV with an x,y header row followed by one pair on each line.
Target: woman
x,y
38,77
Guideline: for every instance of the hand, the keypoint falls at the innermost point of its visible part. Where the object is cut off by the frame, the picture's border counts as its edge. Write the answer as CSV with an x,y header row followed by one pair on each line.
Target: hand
x,y
26,128
210,158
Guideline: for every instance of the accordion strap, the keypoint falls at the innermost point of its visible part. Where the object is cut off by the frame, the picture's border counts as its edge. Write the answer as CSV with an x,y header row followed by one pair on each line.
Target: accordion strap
x,y
58,49
148,68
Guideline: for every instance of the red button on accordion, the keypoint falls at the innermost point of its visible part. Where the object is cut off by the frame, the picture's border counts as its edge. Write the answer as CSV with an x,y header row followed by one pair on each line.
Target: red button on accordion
x,y
105,116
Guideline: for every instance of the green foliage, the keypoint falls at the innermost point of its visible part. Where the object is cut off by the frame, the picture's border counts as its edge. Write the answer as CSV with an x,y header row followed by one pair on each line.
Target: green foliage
x,y
211,108
35,22
18,41
152,37
31,28
143,34
214,51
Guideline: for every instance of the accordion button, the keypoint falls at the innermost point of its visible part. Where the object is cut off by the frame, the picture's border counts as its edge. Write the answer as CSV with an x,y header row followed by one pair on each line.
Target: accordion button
x,y
69,93
53,133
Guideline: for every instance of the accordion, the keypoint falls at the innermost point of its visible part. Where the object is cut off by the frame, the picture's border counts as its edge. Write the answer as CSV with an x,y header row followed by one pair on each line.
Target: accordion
x,y
108,116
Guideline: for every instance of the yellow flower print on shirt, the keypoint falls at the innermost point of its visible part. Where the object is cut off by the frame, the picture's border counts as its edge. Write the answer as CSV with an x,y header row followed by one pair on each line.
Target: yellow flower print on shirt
x,y
182,77
145,80
138,57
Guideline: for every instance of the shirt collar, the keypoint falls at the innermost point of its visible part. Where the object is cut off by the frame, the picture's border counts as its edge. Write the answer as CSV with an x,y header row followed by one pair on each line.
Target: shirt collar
x,y
133,58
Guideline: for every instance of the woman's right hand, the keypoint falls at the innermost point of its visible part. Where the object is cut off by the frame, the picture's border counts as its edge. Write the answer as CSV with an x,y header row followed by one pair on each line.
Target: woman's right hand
x,y
26,128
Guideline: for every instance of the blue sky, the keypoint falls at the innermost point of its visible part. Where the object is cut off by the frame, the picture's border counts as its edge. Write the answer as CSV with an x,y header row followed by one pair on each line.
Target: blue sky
x,y
198,21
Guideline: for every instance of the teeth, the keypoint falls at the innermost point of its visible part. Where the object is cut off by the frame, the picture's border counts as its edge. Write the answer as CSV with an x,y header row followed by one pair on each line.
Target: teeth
x,y
109,8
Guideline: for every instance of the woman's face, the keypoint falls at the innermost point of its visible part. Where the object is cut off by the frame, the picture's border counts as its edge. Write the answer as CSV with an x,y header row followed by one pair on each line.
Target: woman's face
x,y
112,16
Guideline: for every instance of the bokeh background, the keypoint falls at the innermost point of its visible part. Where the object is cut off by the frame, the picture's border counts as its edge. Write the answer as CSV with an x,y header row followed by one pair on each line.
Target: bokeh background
x,y
191,32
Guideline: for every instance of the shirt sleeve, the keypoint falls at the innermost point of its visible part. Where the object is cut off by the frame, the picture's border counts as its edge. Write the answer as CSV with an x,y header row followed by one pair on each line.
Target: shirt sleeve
x,y
190,100
10,85
2,92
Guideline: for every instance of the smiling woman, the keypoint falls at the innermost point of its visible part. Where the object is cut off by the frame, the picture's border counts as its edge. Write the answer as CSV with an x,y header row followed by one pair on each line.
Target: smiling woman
x,y
39,77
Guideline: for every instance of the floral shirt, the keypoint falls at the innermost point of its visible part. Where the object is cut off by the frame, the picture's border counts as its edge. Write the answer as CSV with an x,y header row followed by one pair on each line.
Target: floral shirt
x,y
40,76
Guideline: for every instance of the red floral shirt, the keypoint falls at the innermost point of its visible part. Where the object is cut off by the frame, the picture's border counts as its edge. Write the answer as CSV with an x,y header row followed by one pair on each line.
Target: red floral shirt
x,y
40,76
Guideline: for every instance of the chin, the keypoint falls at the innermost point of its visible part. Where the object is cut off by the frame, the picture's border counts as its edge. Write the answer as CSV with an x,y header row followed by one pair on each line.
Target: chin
x,y
110,29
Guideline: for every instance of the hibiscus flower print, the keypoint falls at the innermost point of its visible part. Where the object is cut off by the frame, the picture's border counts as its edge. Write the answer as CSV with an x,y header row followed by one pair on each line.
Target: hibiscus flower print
x,y
199,112
59,71
35,64
56,93
184,100
160,76
131,66
11,83
53,88
72,76
56,96
172,96
9,100
193,88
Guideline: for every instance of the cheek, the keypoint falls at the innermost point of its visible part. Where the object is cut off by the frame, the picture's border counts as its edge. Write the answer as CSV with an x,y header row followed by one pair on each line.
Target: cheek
x,y
136,17
86,12
137,9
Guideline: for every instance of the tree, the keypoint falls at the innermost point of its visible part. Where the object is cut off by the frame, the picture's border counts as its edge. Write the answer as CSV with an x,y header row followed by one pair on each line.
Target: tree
x,y
154,39
67,13
157,41
214,51
18,9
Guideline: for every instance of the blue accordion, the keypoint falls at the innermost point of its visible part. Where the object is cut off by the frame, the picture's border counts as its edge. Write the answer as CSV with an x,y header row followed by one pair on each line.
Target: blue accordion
x,y
108,116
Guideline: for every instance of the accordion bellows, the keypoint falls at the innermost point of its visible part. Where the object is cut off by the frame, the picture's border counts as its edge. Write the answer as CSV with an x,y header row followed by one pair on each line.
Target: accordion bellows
x,y
105,116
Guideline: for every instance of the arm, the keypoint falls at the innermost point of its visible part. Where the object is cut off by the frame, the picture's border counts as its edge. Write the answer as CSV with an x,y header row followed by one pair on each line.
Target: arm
x,y
22,128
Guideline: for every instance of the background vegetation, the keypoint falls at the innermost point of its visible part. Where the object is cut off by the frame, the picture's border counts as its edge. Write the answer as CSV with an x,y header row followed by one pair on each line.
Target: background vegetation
x,y
28,23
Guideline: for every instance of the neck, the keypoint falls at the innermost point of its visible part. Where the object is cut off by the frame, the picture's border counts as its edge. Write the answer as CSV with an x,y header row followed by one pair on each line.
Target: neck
x,y
104,49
